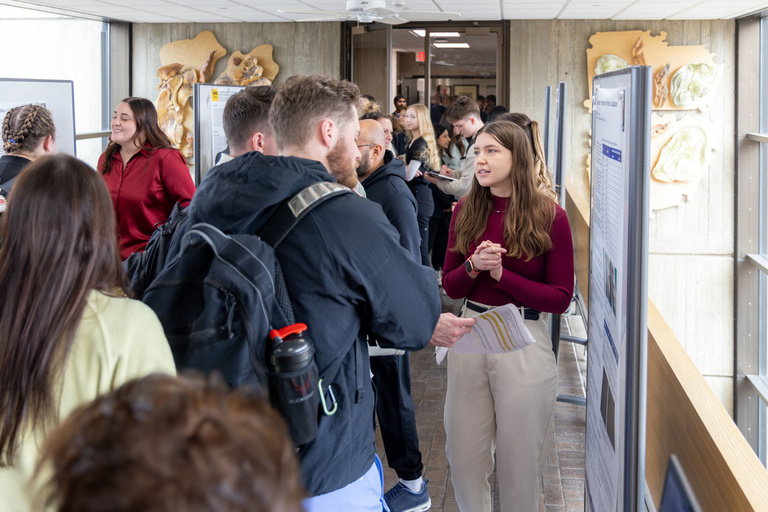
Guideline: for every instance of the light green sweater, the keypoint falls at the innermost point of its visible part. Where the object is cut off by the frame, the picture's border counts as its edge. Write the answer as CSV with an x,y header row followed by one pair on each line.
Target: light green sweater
x,y
118,339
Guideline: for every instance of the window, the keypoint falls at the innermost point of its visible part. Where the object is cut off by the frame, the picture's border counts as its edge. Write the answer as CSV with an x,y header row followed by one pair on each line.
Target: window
x,y
752,233
50,46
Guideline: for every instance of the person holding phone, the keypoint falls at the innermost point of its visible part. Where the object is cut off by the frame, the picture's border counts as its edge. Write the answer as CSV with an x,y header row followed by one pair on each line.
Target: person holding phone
x,y
423,148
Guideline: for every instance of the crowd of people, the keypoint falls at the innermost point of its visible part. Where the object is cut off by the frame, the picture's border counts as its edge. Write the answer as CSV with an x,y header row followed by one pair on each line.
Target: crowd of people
x,y
92,409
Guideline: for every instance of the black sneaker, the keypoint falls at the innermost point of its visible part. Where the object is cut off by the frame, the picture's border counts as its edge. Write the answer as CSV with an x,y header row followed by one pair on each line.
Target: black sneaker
x,y
401,499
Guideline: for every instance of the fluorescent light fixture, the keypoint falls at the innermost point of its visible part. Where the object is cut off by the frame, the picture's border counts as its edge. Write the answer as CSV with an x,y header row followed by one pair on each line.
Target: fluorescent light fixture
x,y
450,45
422,33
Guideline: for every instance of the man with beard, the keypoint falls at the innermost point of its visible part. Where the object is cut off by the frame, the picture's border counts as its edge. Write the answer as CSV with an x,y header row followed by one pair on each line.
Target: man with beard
x,y
383,177
346,274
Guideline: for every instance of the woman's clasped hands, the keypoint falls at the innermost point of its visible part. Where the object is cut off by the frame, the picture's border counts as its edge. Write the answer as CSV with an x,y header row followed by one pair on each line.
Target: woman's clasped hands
x,y
487,256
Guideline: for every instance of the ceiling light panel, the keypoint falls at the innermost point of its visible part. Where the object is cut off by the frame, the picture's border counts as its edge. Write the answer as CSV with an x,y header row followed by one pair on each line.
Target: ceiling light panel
x,y
450,45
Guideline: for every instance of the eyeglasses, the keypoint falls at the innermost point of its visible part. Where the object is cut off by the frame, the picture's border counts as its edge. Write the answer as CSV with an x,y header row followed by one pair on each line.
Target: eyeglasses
x,y
363,145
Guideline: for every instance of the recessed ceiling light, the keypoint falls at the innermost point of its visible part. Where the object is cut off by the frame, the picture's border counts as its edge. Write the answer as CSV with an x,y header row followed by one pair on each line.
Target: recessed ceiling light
x,y
450,45
422,33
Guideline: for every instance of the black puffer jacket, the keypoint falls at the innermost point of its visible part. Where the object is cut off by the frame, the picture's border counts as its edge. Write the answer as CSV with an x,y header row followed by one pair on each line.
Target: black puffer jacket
x,y
347,276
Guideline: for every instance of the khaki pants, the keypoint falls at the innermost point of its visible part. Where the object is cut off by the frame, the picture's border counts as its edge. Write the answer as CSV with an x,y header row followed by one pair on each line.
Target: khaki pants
x,y
502,404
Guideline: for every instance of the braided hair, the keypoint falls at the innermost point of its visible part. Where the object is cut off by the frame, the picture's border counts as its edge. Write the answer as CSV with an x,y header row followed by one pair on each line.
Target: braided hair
x,y
25,127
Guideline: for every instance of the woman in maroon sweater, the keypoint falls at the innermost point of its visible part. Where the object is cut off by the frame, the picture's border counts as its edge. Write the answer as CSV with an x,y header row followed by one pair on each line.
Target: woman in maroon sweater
x,y
510,243
144,174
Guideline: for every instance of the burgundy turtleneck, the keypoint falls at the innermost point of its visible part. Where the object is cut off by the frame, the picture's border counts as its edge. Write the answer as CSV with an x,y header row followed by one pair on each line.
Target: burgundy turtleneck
x,y
544,283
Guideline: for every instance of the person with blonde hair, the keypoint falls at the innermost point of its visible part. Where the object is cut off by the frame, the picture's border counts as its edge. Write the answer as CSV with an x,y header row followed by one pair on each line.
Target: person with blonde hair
x,y
28,134
509,244
422,146
68,331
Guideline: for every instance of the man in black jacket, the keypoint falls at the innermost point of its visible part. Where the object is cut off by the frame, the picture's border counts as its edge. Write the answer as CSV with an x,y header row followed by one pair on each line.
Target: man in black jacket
x,y
346,273
383,177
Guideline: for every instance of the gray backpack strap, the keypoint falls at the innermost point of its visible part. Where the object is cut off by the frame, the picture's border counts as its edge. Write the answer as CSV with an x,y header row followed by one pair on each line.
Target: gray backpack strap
x,y
292,211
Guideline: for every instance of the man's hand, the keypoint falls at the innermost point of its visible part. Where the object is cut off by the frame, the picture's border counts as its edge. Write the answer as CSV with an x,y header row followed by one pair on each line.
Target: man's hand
x,y
450,328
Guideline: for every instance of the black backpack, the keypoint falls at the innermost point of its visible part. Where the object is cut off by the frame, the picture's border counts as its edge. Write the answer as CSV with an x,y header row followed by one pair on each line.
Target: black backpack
x,y
142,267
220,296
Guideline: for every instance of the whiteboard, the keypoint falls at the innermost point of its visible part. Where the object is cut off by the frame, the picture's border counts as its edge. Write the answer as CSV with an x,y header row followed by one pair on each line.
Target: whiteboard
x,y
618,291
58,96
210,140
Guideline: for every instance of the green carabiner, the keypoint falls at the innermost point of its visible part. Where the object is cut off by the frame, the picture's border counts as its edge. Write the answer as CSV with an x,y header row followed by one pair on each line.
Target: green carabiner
x,y
322,399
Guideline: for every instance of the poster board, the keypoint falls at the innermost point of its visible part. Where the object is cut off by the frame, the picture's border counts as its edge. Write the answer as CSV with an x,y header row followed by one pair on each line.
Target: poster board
x,y
210,140
58,96
618,291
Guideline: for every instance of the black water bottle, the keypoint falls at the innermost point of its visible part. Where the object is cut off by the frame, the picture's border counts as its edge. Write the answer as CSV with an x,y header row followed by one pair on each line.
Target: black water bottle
x,y
293,381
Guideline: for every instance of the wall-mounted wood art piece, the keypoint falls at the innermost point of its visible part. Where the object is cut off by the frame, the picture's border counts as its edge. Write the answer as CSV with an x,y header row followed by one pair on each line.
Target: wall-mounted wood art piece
x,y
681,153
257,67
685,77
184,63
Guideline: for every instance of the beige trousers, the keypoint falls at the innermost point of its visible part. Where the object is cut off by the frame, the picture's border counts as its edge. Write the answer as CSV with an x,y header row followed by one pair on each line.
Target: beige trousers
x,y
502,404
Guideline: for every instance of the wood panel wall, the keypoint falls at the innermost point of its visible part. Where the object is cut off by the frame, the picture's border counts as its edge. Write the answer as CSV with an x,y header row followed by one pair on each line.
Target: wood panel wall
x,y
299,48
691,246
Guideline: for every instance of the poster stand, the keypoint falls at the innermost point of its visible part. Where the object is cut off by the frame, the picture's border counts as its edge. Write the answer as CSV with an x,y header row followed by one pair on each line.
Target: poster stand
x,y
618,291
58,96
210,140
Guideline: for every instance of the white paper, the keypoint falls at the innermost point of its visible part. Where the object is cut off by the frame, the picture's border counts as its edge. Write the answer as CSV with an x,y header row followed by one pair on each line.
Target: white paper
x,y
410,170
497,331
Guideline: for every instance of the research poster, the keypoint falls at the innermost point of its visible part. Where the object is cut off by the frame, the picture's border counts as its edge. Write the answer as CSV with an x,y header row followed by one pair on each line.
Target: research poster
x,y
210,139
617,330
606,300
218,99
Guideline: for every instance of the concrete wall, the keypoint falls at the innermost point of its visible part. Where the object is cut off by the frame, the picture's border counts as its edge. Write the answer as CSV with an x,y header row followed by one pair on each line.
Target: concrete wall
x,y
299,48
691,246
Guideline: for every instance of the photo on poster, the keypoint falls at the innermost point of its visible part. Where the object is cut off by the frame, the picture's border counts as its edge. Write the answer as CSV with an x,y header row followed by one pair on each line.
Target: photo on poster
x,y
611,276
608,410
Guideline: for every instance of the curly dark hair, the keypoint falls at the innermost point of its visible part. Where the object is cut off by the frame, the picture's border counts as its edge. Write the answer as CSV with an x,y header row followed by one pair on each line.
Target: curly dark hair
x,y
168,444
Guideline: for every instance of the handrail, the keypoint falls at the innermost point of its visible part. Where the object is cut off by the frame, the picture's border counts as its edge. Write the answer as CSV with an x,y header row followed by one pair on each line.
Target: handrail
x,y
93,135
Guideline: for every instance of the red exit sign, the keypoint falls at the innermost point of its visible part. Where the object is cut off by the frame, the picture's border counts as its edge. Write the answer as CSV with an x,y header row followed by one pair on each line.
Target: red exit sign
x,y
421,56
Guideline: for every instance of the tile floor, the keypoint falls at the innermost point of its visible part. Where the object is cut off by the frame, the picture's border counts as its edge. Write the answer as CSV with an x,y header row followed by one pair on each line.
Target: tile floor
x,y
562,485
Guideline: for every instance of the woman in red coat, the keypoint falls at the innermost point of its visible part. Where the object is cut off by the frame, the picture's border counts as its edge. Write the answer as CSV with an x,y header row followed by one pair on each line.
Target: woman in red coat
x,y
145,175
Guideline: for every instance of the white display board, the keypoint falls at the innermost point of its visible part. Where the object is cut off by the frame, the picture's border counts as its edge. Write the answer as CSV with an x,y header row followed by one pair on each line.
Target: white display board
x,y
210,140
618,296
58,96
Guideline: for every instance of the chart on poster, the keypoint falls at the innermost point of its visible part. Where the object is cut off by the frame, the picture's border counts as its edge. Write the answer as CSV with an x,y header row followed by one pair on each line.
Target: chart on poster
x,y
616,383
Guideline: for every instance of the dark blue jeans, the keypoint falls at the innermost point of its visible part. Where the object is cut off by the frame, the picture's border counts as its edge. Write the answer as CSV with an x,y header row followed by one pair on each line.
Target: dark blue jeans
x,y
397,415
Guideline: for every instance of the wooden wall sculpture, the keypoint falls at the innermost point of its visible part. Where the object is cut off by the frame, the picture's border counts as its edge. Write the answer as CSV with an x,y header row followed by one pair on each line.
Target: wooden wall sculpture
x,y
254,68
184,62
686,78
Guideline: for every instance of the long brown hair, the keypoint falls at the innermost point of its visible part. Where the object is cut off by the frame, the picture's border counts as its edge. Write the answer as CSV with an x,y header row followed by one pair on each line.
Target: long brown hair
x,y
533,132
59,243
145,115
531,210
